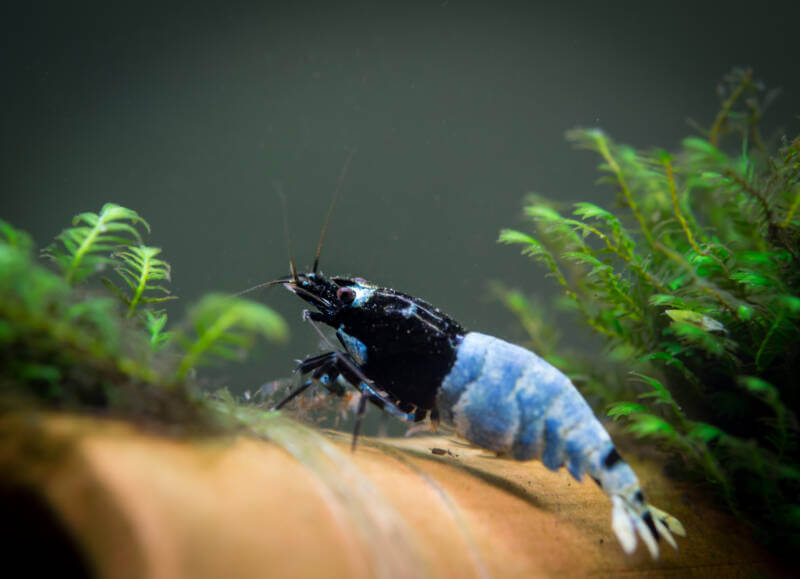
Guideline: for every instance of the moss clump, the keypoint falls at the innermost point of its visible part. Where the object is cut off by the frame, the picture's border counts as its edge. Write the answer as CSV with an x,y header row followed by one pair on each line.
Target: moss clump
x,y
693,285
63,345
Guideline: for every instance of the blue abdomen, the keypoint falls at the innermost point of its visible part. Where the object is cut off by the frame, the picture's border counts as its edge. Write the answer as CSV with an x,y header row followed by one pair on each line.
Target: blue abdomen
x,y
509,400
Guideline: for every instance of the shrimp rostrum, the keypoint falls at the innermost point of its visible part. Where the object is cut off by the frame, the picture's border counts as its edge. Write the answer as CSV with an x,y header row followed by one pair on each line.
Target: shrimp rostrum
x,y
414,362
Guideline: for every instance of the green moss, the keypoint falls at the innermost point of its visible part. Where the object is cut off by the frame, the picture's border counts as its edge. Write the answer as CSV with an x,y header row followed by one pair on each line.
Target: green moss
x,y
63,345
693,286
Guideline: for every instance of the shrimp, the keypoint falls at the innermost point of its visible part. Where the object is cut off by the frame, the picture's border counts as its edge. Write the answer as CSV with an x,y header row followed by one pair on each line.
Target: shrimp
x,y
408,358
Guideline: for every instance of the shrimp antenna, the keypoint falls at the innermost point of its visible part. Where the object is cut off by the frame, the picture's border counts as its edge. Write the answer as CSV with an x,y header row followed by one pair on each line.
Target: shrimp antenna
x,y
259,286
284,205
330,208
279,190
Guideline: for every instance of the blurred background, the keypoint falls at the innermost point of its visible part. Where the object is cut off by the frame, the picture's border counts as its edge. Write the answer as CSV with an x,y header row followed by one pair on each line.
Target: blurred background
x,y
190,113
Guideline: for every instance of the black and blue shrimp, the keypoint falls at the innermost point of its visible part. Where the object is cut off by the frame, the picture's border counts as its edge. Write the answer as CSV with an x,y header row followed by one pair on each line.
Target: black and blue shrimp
x,y
413,361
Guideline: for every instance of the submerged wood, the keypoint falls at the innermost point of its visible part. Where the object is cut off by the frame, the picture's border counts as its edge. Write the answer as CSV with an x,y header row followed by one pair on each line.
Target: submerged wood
x,y
140,504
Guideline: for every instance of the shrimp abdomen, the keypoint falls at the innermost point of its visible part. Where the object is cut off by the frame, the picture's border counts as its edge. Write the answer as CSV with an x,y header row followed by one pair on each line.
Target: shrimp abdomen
x,y
507,399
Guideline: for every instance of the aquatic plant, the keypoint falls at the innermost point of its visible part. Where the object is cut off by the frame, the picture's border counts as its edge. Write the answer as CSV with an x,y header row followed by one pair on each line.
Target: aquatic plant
x,y
65,345
693,286
82,249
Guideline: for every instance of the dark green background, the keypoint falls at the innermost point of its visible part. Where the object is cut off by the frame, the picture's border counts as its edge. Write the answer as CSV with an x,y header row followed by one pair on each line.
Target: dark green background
x,y
456,110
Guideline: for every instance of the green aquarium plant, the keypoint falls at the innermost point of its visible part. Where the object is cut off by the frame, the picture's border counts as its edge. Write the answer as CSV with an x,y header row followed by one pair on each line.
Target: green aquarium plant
x,y
693,286
67,344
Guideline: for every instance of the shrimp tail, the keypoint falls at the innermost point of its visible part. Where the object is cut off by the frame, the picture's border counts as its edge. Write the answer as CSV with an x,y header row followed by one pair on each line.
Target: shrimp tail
x,y
509,400
629,519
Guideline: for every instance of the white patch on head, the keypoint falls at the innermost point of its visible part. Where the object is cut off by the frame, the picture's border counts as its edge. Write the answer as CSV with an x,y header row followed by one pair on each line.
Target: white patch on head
x,y
363,294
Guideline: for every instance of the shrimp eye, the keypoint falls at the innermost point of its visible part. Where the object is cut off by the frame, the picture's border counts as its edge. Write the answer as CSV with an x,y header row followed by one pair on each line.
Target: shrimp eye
x,y
345,295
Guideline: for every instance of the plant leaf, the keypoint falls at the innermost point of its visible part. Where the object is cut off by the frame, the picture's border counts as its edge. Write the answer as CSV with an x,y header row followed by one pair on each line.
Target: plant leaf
x,y
81,247
219,320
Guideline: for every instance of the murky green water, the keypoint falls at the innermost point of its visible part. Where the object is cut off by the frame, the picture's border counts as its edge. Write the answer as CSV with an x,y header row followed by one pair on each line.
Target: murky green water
x,y
191,115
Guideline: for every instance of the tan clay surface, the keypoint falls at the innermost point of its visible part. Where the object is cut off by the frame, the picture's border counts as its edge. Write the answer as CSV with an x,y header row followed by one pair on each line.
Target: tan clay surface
x,y
144,505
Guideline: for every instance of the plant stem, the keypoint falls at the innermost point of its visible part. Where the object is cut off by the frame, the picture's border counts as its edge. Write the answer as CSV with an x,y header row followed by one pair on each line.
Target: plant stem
x,y
553,265
766,340
84,247
724,112
704,285
673,191
144,273
625,256
602,146
212,334
792,210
